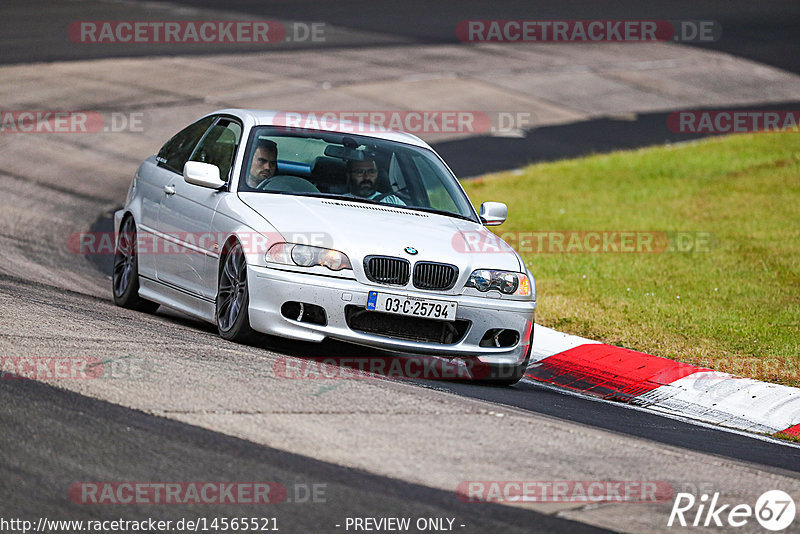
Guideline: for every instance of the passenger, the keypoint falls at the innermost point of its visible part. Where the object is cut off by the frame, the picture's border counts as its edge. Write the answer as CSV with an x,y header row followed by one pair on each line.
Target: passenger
x,y
362,182
264,165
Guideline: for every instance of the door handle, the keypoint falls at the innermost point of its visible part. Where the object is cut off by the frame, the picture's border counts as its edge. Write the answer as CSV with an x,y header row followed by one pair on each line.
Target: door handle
x,y
169,190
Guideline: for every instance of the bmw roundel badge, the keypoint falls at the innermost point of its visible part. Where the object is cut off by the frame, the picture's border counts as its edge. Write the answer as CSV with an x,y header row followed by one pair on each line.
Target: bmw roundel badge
x,y
411,250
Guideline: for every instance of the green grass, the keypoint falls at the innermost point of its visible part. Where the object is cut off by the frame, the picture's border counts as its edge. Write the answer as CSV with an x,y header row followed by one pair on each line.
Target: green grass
x,y
787,437
734,306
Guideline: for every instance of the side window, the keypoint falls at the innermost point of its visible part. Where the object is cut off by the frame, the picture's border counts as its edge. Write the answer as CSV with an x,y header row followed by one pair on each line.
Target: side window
x,y
218,146
438,196
174,154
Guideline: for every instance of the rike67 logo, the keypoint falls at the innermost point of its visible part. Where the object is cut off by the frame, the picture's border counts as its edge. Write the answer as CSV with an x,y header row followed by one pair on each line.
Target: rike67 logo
x,y
774,510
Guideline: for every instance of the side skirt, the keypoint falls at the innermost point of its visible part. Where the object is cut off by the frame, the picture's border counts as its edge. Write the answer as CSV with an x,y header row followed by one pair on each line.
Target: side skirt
x,y
177,299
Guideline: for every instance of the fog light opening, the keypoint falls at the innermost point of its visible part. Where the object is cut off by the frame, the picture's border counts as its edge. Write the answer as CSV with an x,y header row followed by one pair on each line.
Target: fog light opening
x,y
304,312
500,338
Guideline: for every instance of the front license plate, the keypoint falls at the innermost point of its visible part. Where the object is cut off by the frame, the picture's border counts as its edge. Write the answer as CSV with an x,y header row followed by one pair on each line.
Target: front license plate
x,y
416,307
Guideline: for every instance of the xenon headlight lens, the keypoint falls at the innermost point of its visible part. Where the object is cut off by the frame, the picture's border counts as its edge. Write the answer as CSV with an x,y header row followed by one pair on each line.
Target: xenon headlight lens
x,y
506,282
304,256
307,256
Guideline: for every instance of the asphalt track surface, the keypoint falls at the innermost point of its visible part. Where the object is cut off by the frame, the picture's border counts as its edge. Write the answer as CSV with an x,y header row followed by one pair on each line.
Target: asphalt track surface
x,y
482,154
762,31
51,438
551,402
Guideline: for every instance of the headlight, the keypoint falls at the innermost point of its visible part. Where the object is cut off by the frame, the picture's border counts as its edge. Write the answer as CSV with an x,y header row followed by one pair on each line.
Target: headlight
x,y
506,282
306,256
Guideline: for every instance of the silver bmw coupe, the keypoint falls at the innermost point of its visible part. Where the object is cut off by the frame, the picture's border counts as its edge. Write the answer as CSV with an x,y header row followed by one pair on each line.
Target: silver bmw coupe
x,y
310,231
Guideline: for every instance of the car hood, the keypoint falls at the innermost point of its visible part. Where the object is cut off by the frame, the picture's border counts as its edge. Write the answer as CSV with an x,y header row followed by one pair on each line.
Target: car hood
x,y
362,229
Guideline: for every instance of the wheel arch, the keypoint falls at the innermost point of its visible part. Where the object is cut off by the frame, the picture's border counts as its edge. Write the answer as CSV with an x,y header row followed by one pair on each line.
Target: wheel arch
x,y
231,241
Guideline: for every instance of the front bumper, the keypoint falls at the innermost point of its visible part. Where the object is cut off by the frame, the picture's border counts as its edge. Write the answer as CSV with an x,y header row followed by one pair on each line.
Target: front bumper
x,y
271,288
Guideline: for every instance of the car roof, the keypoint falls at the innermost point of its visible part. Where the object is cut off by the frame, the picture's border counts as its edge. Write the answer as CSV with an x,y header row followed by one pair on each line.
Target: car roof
x,y
316,121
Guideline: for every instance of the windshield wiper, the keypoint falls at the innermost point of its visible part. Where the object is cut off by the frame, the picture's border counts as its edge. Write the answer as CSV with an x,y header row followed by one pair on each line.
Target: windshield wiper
x,y
413,208
440,212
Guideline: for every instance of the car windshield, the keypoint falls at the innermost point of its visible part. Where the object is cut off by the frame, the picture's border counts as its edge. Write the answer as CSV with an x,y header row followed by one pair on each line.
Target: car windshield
x,y
351,167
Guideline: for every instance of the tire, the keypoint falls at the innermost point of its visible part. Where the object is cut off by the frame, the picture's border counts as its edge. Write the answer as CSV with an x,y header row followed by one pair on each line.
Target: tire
x,y
125,274
233,297
503,375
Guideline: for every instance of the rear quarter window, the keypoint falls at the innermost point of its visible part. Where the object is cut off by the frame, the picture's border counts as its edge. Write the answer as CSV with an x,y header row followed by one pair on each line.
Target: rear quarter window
x,y
175,152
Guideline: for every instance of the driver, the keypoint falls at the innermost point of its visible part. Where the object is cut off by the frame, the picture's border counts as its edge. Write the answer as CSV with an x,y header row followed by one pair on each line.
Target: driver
x,y
362,181
264,165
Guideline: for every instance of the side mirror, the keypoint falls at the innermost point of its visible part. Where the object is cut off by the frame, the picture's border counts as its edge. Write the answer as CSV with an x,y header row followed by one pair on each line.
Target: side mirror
x,y
493,213
202,174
